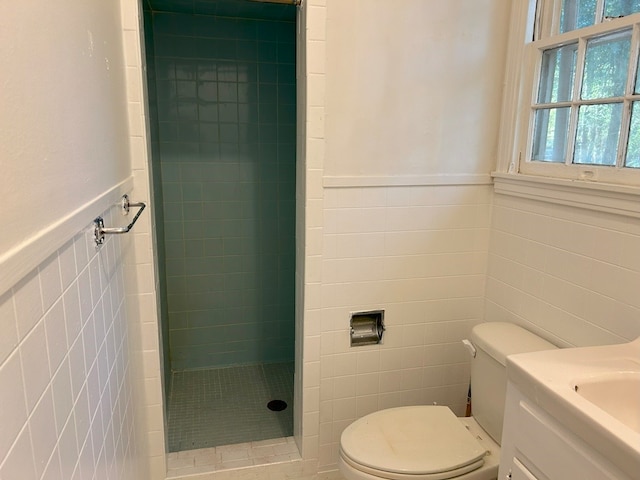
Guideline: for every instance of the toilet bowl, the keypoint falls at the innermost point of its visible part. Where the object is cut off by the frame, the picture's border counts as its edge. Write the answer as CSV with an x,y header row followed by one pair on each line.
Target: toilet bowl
x,y
428,442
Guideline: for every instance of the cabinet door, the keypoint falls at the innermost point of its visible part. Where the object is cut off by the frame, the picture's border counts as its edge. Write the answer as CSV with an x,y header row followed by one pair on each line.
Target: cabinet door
x,y
520,472
558,453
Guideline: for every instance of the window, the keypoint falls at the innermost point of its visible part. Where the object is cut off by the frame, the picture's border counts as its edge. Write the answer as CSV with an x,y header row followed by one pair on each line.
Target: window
x,y
580,112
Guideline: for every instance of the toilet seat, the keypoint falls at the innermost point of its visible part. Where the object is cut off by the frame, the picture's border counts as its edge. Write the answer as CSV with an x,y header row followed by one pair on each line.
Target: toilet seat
x,y
420,442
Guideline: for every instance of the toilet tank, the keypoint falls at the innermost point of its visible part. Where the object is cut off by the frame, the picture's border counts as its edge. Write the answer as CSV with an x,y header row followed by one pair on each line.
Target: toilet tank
x,y
493,342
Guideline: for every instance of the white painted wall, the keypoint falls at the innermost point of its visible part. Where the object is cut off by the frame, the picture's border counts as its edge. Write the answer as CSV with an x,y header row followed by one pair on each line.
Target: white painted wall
x,y
62,127
413,87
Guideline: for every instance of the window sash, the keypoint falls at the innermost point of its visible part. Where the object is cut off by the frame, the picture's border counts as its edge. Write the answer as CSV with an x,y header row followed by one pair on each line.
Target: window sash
x,y
546,20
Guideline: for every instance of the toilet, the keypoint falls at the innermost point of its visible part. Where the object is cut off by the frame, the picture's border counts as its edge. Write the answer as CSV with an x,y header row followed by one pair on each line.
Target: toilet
x,y
428,442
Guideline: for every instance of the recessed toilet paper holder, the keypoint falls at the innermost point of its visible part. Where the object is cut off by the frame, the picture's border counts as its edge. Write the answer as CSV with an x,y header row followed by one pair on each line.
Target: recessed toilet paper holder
x,y
366,328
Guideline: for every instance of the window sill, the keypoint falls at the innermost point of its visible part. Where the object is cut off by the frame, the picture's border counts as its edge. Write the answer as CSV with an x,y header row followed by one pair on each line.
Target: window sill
x,y
602,197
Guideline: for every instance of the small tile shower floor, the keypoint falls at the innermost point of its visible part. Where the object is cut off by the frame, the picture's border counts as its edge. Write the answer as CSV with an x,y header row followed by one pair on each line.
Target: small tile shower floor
x,y
224,406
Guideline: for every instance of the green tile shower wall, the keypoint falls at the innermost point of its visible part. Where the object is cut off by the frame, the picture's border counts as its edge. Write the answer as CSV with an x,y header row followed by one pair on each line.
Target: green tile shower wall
x,y
226,119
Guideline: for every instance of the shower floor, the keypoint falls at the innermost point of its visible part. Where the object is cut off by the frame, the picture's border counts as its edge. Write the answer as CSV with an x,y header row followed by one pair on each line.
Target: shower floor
x,y
223,406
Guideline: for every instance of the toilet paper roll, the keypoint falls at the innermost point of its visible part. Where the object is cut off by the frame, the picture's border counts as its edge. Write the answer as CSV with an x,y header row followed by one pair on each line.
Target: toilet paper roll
x,y
365,331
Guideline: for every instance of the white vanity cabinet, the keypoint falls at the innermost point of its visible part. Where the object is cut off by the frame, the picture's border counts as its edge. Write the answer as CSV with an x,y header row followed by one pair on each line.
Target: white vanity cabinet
x,y
537,446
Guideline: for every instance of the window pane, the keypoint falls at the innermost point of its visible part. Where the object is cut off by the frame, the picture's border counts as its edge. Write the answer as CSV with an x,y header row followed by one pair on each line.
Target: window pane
x,y
633,149
606,64
557,74
577,14
597,134
620,8
550,134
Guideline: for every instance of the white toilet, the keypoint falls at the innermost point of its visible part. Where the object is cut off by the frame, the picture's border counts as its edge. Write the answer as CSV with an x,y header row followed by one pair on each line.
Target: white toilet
x,y
430,442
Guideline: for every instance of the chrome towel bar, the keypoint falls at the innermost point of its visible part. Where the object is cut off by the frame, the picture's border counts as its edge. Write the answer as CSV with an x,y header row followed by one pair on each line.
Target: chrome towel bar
x,y
99,230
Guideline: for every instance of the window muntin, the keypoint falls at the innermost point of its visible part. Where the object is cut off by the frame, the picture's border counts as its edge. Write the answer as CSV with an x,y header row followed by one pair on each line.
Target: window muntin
x,y
585,113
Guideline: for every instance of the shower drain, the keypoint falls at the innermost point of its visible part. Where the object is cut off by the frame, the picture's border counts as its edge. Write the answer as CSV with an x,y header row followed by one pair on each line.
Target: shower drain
x,y
277,405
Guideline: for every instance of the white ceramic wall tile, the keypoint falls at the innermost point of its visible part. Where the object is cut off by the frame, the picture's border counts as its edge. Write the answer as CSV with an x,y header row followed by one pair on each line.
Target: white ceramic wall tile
x,y
563,272
316,51
14,412
131,47
62,394
9,337
65,381
53,470
316,25
315,147
28,303
138,149
19,462
81,251
43,432
84,292
418,252
56,336
68,448
129,12
311,374
134,89
35,365
50,281
315,122
366,384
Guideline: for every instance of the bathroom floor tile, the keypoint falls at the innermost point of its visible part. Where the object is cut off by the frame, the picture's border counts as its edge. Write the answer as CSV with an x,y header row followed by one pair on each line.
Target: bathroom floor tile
x,y
224,406
253,460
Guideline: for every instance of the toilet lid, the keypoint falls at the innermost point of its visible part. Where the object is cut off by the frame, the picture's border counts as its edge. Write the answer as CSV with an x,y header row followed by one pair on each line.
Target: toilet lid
x,y
418,440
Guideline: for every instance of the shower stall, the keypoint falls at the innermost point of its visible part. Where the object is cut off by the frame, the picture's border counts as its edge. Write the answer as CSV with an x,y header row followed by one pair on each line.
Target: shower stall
x,y
222,113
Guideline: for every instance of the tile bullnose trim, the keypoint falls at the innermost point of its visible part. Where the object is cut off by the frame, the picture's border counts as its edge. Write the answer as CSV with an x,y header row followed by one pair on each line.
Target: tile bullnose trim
x,y
616,199
346,181
24,257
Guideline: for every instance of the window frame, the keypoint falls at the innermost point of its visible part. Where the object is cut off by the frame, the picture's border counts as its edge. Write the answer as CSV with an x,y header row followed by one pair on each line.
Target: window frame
x,y
588,186
532,65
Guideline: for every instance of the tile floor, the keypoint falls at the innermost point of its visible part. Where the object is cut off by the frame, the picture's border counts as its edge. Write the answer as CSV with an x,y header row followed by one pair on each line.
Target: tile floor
x,y
227,406
276,459
266,453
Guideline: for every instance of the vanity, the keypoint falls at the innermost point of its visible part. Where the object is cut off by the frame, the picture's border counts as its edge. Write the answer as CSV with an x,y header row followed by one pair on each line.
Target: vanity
x,y
573,414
